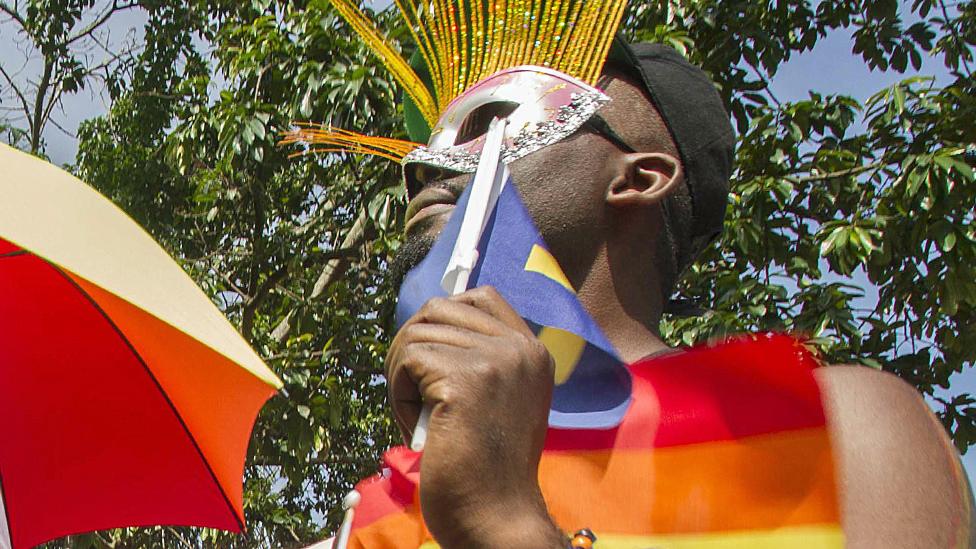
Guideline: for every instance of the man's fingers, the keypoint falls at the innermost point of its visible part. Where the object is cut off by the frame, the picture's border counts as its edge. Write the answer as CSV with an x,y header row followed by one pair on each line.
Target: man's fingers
x,y
447,334
422,332
487,299
482,310
460,314
416,371
405,401
436,344
413,355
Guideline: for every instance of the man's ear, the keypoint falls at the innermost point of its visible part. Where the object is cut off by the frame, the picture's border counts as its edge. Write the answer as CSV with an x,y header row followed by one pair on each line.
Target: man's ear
x,y
644,179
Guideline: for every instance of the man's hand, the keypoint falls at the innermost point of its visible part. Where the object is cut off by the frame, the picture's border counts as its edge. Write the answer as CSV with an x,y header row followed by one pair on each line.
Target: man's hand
x,y
489,380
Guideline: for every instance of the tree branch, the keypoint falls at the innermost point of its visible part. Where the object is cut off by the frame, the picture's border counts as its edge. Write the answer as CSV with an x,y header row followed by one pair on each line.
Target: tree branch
x,y
38,111
334,269
64,130
98,22
13,86
257,231
765,81
103,65
831,175
264,290
244,295
955,34
5,8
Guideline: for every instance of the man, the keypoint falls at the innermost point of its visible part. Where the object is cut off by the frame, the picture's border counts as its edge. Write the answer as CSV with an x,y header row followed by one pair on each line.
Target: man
x,y
622,226
624,194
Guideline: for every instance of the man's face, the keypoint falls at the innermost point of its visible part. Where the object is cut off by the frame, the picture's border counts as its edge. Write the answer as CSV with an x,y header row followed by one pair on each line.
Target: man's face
x,y
563,186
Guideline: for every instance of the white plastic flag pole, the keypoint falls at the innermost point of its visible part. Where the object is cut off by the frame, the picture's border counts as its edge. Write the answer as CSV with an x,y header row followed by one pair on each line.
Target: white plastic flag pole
x,y
349,503
5,541
487,185
485,188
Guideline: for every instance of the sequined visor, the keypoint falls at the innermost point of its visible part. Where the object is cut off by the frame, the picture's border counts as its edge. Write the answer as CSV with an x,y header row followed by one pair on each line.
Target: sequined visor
x,y
542,107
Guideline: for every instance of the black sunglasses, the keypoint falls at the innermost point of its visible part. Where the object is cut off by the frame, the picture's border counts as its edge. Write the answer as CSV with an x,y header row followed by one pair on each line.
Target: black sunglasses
x,y
598,125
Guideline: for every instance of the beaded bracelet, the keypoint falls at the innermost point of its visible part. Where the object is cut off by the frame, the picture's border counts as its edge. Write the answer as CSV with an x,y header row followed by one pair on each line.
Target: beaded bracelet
x,y
582,539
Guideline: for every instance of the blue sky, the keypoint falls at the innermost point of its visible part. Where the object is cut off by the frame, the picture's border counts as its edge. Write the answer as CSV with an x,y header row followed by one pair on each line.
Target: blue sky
x,y
830,67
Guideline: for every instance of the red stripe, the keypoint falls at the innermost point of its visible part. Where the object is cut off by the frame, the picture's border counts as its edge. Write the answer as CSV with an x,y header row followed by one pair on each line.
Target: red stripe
x,y
391,492
745,387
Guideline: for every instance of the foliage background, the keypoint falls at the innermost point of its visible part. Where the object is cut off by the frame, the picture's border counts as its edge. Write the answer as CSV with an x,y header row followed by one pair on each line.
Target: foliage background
x,y
831,198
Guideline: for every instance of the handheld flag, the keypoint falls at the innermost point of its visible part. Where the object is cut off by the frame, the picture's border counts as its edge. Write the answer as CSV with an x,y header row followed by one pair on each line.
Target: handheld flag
x,y
592,386
483,195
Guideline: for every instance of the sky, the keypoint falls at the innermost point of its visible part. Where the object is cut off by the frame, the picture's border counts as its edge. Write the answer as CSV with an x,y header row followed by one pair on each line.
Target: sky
x,y
830,68
76,108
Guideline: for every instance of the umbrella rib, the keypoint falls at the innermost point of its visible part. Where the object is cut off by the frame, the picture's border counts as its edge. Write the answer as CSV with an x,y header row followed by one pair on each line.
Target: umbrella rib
x,y
14,253
159,387
6,512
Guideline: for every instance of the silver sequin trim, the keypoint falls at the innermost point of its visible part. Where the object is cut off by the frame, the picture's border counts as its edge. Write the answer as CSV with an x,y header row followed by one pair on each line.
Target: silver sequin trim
x,y
531,139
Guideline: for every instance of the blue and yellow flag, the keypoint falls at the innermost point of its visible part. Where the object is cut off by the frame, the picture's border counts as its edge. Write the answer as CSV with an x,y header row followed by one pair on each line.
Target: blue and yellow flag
x,y
593,387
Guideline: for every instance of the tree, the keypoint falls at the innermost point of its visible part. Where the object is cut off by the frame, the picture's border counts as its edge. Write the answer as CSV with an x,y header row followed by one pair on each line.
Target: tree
x,y
68,45
293,249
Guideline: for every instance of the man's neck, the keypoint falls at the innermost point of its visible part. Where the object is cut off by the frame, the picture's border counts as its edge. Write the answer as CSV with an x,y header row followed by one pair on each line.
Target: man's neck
x,y
625,301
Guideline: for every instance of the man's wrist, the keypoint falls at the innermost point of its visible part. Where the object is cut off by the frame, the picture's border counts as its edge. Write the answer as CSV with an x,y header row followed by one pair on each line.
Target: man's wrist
x,y
529,532
528,527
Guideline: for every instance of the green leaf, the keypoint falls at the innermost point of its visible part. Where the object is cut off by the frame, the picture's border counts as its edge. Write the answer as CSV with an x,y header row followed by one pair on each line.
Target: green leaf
x,y
257,128
305,109
948,242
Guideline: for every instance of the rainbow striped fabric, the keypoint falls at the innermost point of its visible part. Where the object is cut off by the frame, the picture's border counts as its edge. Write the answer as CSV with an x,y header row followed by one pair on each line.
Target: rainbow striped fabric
x,y
723,446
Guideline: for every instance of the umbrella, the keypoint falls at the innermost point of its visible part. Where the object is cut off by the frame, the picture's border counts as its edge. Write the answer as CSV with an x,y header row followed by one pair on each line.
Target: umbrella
x,y
126,397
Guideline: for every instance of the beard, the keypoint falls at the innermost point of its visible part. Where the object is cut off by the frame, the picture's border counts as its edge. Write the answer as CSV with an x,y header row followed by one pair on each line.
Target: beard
x,y
422,235
412,251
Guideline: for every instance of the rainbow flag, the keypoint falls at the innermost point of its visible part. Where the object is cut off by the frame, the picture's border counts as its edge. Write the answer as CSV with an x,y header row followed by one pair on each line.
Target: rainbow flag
x,y
592,385
723,446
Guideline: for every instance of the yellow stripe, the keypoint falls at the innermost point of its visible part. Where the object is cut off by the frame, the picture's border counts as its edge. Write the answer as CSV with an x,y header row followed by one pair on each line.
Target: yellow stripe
x,y
565,348
807,537
541,261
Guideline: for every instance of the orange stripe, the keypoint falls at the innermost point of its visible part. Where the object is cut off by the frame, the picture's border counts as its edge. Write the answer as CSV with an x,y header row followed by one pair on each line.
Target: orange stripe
x,y
761,482
217,399
404,529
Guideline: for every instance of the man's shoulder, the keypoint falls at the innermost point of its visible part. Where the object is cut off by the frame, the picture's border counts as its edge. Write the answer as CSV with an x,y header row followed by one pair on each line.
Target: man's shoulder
x,y
879,409
900,477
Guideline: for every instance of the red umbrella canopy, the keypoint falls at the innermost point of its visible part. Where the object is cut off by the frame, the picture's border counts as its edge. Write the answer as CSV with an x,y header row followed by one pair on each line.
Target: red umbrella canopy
x,y
127,398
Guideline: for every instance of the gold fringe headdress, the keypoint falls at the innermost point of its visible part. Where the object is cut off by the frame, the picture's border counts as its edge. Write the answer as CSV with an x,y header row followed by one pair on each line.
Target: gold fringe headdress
x,y
462,42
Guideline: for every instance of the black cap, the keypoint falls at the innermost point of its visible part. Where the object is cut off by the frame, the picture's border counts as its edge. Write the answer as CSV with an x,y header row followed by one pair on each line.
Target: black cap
x,y
694,113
